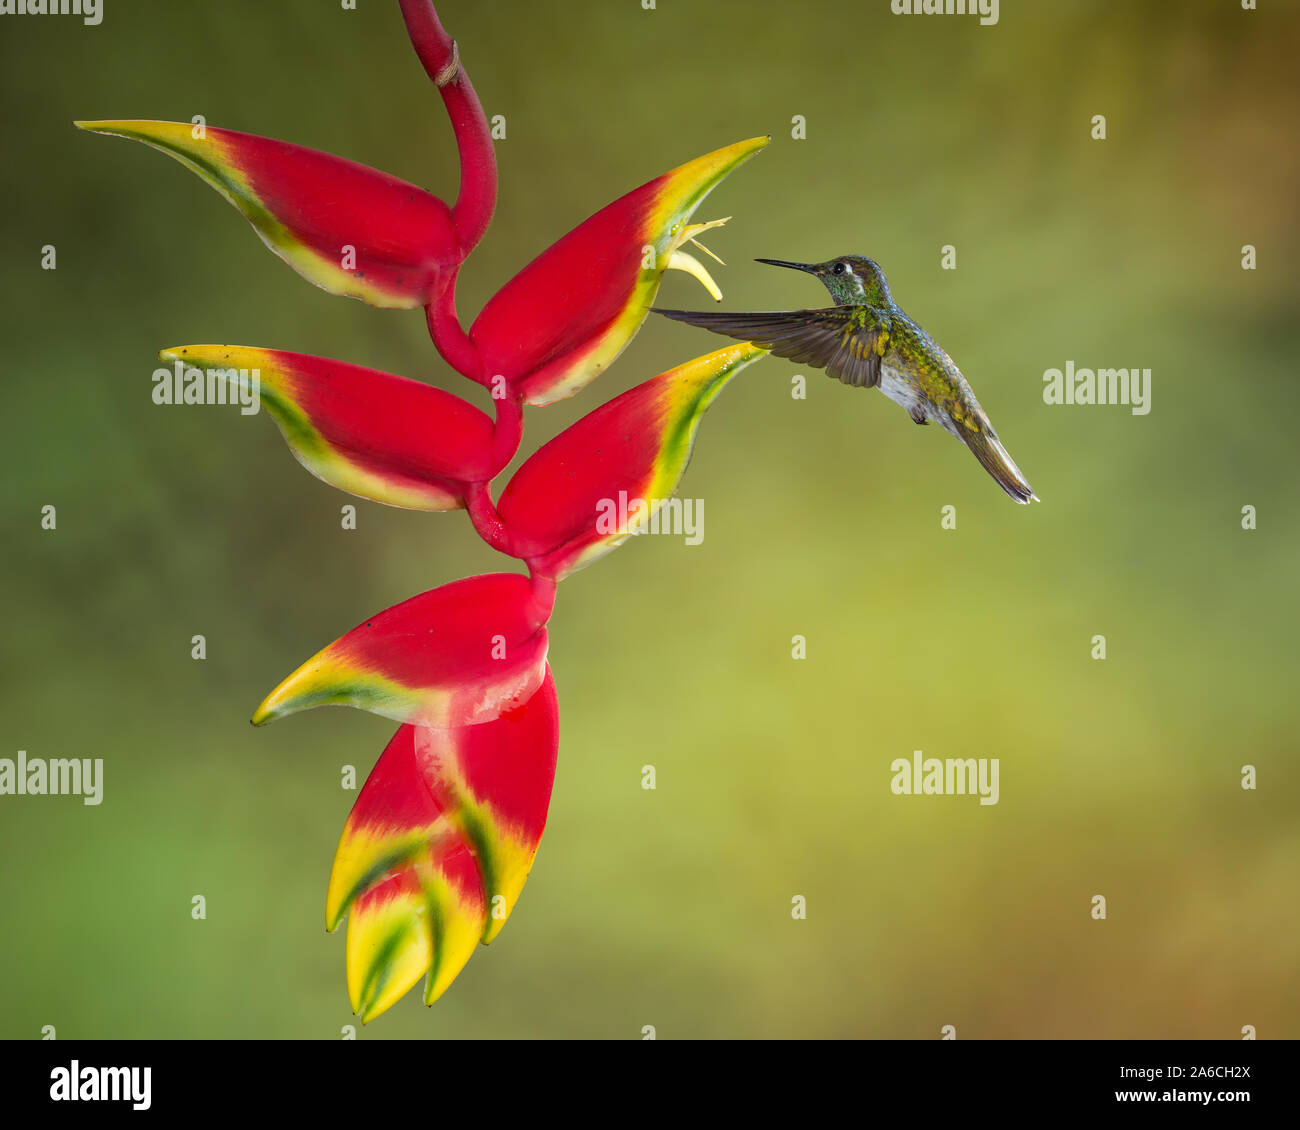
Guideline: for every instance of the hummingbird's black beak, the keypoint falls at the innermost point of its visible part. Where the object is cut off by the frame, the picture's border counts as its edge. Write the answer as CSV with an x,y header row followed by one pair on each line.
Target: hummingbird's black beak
x,y
809,267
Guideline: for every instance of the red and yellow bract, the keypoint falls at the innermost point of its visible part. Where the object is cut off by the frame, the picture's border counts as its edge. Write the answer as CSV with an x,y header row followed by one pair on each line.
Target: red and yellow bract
x,y
349,229
636,446
454,656
373,434
438,846
565,317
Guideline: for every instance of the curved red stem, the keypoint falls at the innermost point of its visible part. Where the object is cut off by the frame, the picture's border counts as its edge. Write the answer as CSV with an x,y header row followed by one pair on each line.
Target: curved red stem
x,y
509,431
471,214
487,522
543,594
449,336
437,50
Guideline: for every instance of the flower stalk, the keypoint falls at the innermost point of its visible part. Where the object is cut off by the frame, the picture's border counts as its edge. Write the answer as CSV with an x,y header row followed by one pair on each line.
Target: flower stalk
x,y
438,53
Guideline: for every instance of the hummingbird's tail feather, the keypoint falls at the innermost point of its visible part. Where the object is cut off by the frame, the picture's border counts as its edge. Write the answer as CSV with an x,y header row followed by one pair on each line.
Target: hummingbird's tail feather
x,y
993,457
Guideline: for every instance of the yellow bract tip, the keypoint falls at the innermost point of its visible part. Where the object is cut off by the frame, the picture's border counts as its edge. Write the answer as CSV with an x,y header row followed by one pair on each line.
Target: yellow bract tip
x,y
280,701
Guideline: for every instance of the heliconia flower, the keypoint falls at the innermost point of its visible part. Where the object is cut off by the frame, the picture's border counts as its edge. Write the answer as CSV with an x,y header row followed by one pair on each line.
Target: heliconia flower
x,y
439,844
437,848
348,228
373,434
456,655
582,494
559,323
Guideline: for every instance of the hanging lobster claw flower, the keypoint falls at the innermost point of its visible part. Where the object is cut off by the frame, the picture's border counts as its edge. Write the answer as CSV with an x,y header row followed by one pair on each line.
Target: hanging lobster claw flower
x,y
453,656
590,488
372,434
348,228
559,323
437,848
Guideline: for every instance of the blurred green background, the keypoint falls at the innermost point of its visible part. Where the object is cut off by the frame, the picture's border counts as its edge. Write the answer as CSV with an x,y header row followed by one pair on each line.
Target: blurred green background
x,y
672,908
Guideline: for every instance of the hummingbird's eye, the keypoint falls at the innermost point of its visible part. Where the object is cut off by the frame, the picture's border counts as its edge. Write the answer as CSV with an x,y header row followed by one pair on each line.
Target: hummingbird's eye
x,y
838,269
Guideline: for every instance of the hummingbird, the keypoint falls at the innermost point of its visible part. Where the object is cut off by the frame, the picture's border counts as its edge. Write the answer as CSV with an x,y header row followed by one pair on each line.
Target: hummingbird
x,y
866,340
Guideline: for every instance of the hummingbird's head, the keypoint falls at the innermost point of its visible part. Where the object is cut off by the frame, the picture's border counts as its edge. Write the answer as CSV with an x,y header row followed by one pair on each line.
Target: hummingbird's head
x,y
851,279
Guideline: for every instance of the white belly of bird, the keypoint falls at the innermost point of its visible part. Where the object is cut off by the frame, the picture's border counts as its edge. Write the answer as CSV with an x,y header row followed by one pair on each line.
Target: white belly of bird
x,y
897,389
895,386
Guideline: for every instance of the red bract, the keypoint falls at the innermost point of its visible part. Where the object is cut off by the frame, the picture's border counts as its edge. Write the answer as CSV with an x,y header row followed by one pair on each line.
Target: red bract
x,y
566,316
349,229
438,846
372,434
453,656
585,492
436,850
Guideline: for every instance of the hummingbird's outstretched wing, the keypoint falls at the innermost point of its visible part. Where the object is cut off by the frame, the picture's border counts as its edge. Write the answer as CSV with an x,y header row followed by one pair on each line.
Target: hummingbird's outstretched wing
x,y
847,341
